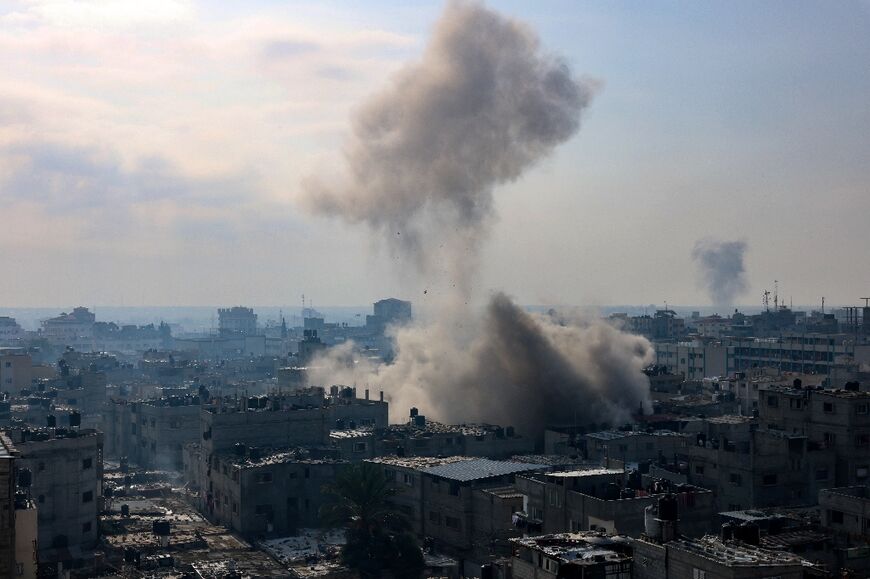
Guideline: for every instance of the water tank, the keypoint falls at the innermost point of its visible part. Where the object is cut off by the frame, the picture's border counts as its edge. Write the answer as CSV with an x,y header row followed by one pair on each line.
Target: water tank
x,y
239,448
668,508
160,527
750,533
414,412
51,420
612,492
125,510
420,421
651,525
252,402
254,453
509,431
728,531
75,419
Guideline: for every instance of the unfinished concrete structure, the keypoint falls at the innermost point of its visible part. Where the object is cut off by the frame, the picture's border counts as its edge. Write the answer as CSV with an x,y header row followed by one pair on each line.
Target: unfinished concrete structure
x,y
632,446
7,507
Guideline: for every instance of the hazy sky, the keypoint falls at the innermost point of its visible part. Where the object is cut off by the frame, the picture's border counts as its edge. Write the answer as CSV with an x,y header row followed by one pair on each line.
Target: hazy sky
x,y
151,153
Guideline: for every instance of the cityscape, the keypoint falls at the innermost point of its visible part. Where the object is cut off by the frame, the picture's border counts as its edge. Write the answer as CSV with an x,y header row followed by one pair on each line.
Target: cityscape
x,y
348,291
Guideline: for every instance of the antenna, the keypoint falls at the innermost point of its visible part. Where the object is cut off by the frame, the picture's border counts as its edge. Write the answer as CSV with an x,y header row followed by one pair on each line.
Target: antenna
x,y
765,300
775,295
866,302
823,304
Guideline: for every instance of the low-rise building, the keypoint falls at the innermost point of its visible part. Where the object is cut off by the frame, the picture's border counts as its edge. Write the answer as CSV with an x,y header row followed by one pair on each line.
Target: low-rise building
x,y
575,555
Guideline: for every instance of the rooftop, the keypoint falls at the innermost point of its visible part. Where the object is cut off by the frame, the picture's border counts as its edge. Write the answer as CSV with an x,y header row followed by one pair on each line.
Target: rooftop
x,y
619,434
480,468
417,462
584,548
733,554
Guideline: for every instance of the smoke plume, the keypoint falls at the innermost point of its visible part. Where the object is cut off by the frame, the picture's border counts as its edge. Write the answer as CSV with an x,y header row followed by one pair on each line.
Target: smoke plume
x,y
721,269
483,105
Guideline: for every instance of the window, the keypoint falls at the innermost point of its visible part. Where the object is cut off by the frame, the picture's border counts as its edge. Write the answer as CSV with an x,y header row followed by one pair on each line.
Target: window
x,y
769,480
736,479
87,463
41,499
407,479
263,477
263,510
359,446
86,527
87,496
835,516
828,407
40,467
307,472
822,474
452,523
390,474
773,401
175,424
861,471
454,489
555,499
235,507
699,574
435,517
830,439
861,409
699,469
862,440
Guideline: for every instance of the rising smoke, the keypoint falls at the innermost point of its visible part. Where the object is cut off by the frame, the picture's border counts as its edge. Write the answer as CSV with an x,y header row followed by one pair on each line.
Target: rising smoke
x,y
721,269
484,104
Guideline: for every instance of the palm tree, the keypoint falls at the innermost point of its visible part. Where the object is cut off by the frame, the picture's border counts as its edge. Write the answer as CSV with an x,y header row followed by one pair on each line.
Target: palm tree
x,y
378,535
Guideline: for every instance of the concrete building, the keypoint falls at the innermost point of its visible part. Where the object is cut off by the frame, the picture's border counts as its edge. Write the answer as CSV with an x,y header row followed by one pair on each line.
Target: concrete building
x,y
66,467
159,429
606,500
237,321
837,421
695,360
748,467
16,370
575,555
388,312
10,331
8,456
75,329
428,438
845,511
464,505
711,558
632,446
267,491
810,354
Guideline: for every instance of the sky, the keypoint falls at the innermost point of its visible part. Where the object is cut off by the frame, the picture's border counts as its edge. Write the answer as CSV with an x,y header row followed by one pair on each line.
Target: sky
x,y
152,153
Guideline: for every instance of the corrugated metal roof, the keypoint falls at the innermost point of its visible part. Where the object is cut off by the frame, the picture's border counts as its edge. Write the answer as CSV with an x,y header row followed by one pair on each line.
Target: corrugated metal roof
x,y
480,468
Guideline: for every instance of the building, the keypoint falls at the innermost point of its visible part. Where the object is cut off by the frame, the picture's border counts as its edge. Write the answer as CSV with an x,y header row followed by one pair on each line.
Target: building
x,y
390,311
845,511
837,421
464,505
66,467
159,429
237,321
268,491
808,354
421,437
608,500
632,446
10,331
695,360
576,555
16,370
74,329
747,466
712,558
8,456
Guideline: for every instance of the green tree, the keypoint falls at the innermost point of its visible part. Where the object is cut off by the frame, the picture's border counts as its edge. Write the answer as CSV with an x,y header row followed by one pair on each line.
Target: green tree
x,y
378,536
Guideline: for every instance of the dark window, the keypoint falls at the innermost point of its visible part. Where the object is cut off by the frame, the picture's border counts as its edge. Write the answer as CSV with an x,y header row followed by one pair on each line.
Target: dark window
x,y
736,479
835,516
454,489
435,517
87,463
772,401
822,474
828,407
769,479
41,499
87,496
307,472
263,510
86,527
264,477
452,523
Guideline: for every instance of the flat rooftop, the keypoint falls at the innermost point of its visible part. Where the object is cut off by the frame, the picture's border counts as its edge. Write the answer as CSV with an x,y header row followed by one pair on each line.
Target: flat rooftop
x,y
480,468
733,554
585,548
619,434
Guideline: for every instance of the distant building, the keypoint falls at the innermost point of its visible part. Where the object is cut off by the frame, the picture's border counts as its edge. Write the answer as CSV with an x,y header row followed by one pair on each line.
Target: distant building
x,y
73,329
10,331
389,312
237,321
16,370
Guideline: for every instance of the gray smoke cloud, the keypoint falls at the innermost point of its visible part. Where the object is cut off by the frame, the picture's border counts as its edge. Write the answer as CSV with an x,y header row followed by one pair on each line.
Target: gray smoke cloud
x,y
721,269
483,105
